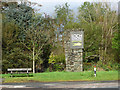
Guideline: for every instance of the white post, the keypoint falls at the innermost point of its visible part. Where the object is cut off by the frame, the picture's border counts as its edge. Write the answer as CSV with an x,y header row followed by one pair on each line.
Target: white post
x,y
95,70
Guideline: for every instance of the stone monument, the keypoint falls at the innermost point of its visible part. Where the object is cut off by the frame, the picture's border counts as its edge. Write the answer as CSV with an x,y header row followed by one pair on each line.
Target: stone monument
x,y
73,42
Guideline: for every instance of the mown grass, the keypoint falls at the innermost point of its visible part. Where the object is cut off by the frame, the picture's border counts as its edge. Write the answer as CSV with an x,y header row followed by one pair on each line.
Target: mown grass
x,y
64,76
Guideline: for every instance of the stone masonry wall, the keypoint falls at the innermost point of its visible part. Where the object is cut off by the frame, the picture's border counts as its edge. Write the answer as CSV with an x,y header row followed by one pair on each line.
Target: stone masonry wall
x,y
73,57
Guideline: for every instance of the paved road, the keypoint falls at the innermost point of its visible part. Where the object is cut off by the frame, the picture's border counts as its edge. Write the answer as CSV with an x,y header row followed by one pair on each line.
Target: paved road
x,y
76,84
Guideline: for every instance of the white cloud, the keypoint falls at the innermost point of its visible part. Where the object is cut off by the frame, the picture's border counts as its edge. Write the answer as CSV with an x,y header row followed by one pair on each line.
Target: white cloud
x,y
48,6
74,0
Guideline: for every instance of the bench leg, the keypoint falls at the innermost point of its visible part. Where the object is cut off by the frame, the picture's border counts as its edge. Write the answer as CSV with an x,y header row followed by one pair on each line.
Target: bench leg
x,y
27,73
11,74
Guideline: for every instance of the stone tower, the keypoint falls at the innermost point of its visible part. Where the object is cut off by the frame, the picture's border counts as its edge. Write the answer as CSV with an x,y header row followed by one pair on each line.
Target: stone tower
x,y
73,43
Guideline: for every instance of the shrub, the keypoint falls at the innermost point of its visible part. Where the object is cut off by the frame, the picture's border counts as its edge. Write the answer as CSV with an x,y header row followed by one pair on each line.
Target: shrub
x,y
57,67
47,70
58,62
51,59
88,66
110,65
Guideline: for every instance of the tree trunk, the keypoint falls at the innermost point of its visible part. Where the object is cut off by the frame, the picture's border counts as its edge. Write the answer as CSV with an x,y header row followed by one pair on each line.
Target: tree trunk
x,y
101,56
63,43
33,59
50,68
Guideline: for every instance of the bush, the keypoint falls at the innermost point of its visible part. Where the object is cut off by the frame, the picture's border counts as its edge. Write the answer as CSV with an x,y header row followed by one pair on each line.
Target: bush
x,y
88,66
47,70
58,62
60,58
115,66
110,65
58,67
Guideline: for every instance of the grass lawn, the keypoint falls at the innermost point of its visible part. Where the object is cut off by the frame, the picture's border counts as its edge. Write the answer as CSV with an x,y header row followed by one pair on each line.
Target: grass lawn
x,y
64,76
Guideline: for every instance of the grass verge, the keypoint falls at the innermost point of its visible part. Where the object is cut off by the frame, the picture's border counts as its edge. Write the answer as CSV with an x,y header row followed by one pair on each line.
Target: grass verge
x,y
63,76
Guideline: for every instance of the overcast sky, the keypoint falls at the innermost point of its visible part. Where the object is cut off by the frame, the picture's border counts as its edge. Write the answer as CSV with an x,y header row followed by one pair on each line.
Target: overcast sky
x,y
48,6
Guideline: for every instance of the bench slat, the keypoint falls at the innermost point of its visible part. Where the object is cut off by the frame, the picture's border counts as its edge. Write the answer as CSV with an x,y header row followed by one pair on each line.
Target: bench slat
x,y
19,69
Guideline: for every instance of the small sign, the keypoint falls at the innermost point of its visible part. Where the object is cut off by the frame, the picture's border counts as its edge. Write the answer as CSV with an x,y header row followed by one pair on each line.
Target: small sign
x,y
76,39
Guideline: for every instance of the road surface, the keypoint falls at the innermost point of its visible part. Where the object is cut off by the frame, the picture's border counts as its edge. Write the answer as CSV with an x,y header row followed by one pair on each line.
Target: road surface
x,y
74,84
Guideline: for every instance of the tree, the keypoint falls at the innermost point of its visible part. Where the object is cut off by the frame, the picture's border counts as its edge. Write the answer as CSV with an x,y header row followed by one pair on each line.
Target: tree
x,y
115,45
16,24
12,50
64,15
39,35
99,23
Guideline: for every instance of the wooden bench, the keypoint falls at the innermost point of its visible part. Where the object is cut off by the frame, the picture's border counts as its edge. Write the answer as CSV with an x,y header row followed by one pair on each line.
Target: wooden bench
x,y
19,69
